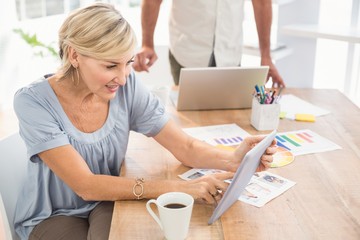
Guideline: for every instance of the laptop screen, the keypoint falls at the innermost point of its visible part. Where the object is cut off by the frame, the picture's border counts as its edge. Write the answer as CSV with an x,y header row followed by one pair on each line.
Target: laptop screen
x,y
218,87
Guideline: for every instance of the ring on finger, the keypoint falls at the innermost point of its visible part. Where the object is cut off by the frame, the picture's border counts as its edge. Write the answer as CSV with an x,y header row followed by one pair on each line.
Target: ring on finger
x,y
215,194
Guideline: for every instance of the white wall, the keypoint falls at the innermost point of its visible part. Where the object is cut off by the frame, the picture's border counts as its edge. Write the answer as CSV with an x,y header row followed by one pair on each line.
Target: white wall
x,y
159,74
19,66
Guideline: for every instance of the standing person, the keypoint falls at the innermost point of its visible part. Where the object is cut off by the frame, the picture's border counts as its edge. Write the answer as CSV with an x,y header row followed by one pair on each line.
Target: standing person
x,y
205,33
76,124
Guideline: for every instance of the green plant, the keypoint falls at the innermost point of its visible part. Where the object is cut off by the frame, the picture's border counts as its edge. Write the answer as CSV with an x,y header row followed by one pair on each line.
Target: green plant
x,y
33,41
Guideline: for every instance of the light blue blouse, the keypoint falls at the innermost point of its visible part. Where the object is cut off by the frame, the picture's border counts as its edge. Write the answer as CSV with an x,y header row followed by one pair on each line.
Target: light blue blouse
x,y
44,125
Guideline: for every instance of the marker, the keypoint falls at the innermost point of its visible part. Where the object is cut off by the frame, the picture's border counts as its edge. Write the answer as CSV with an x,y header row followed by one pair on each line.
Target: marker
x,y
272,97
257,89
279,95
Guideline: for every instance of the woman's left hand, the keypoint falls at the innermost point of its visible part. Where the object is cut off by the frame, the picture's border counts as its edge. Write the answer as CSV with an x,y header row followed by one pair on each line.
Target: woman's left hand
x,y
248,144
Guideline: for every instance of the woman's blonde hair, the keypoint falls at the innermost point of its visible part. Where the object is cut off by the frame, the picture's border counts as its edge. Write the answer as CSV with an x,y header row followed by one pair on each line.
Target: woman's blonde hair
x,y
97,31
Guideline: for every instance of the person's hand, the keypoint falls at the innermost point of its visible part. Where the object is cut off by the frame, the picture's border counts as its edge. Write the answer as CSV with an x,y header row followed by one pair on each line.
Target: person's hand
x,y
277,80
207,189
248,144
144,59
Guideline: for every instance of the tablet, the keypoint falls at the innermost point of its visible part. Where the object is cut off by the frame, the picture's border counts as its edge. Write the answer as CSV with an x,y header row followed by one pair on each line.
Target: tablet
x,y
242,176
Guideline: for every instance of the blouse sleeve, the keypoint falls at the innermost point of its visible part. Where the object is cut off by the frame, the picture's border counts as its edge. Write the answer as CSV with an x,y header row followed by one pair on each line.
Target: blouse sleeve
x,y
148,114
37,123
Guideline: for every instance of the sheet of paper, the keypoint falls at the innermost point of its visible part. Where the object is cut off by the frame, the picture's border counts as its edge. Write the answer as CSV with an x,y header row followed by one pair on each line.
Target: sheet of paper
x,y
304,142
226,134
297,142
262,188
290,105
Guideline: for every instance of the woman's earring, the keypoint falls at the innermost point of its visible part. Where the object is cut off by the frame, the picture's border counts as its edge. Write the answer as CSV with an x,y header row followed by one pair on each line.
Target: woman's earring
x,y
78,77
77,81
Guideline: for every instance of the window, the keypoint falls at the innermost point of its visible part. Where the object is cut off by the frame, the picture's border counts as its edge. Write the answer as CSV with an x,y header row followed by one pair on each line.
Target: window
x,y
338,62
30,9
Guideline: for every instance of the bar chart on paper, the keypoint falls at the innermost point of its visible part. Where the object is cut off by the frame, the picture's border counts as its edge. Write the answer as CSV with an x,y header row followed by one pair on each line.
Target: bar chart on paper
x,y
228,135
228,141
304,142
291,144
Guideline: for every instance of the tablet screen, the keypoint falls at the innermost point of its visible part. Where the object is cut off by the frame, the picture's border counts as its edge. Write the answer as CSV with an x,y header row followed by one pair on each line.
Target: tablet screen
x,y
242,176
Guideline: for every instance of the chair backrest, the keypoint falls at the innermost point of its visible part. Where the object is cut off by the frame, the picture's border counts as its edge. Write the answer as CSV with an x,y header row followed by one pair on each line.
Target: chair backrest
x,y
13,162
5,232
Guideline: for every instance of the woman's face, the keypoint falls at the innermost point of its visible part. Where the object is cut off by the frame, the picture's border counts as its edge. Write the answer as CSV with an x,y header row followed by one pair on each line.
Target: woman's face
x,y
104,77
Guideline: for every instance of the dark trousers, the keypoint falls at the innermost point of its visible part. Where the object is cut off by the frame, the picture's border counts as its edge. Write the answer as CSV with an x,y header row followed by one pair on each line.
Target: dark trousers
x,y
96,226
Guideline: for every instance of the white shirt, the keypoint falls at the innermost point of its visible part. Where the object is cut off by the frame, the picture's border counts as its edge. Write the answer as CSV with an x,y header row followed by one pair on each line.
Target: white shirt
x,y
198,28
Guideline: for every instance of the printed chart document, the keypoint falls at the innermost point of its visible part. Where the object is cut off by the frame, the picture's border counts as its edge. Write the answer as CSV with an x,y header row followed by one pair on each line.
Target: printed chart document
x,y
304,142
226,134
290,144
262,188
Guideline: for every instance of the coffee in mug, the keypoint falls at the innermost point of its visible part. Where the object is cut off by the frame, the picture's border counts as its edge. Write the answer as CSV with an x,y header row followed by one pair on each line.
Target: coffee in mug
x,y
175,205
175,210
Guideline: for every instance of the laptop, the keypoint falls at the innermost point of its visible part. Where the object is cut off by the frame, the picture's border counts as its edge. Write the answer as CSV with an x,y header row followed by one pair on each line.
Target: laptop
x,y
242,176
213,88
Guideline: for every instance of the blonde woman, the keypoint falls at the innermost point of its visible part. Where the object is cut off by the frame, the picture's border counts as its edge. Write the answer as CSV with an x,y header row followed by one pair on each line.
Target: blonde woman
x,y
76,125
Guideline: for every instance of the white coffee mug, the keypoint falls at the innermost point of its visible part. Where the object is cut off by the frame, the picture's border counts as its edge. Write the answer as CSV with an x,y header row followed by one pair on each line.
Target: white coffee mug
x,y
175,210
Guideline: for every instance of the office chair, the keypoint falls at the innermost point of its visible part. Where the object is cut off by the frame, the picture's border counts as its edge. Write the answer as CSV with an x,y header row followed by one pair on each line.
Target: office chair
x,y
13,163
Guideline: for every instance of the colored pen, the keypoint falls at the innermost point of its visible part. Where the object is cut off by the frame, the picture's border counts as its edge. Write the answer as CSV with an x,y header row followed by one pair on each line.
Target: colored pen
x,y
257,89
272,97
278,96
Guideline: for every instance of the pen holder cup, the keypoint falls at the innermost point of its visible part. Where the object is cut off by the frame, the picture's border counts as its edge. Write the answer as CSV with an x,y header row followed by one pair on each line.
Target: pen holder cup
x,y
264,116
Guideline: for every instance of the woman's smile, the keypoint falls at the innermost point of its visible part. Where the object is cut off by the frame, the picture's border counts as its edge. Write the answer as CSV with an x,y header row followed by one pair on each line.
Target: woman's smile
x,y
113,87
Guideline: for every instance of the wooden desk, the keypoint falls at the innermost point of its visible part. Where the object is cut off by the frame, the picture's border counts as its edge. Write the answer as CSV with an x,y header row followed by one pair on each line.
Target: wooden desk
x,y
324,204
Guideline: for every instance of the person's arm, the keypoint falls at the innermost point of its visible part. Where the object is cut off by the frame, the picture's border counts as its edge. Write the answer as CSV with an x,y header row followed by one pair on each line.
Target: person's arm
x,y
71,168
198,154
263,19
149,15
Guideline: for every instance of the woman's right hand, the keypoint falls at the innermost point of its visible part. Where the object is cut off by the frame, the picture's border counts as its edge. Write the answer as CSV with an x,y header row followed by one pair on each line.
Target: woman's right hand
x,y
207,189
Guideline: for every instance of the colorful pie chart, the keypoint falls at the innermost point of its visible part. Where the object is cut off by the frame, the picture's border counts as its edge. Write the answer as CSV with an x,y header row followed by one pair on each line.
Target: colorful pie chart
x,y
282,157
